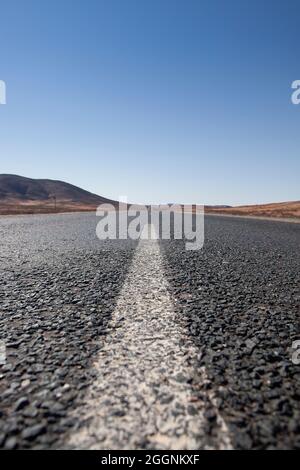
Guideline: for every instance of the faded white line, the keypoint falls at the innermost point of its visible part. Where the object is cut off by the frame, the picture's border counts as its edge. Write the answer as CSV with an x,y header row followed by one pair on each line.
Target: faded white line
x,y
143,393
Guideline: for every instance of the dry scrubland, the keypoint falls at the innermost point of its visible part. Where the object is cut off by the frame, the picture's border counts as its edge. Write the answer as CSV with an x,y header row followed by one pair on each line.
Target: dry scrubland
x,y
286,210
38,207
21,195
279,210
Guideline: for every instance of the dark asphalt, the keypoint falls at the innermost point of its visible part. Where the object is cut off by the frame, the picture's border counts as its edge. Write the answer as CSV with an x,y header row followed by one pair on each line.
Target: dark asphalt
x,y
239,295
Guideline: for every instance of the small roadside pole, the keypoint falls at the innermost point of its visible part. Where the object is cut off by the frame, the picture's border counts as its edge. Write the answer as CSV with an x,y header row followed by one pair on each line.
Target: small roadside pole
x,y
55,204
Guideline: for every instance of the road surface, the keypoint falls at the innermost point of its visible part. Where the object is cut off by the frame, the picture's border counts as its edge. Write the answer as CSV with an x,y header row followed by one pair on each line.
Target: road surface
x,y
127,344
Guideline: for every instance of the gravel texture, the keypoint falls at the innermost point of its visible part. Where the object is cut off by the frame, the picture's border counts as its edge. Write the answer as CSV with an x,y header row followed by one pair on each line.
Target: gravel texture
x,y
216,371
57,295
143,394
240,298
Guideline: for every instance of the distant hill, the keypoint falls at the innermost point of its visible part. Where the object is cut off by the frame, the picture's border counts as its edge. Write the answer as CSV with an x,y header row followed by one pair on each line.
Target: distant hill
x,y
20,195
26,195
288,210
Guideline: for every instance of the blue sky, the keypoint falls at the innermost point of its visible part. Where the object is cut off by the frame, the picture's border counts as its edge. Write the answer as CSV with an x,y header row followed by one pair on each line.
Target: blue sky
x,y
161,100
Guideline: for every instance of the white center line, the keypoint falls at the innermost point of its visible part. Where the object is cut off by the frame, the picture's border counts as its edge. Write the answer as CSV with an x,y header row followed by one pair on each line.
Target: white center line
x,y
143,396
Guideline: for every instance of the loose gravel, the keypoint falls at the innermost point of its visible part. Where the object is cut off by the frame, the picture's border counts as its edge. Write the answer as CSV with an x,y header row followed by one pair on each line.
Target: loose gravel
x,y
143,394
240,298
215,337
57,295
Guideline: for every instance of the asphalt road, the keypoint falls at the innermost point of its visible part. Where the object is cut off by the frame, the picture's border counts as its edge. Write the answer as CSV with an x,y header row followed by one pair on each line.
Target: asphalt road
x,y
123,344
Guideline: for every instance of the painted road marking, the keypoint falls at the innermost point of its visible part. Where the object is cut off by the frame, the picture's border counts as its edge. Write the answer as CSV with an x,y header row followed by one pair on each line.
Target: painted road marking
x,y
143,393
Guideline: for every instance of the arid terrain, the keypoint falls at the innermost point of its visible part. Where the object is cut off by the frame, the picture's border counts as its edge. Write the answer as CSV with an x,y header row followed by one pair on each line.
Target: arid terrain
x,y
15,207
277,210
20,195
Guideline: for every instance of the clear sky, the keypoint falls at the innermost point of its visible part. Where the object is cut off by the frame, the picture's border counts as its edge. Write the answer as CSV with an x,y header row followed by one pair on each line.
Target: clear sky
x,y
159,100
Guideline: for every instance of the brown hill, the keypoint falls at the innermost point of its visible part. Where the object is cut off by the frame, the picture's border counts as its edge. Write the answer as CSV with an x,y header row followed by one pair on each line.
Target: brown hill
x,y
26,195
20,195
